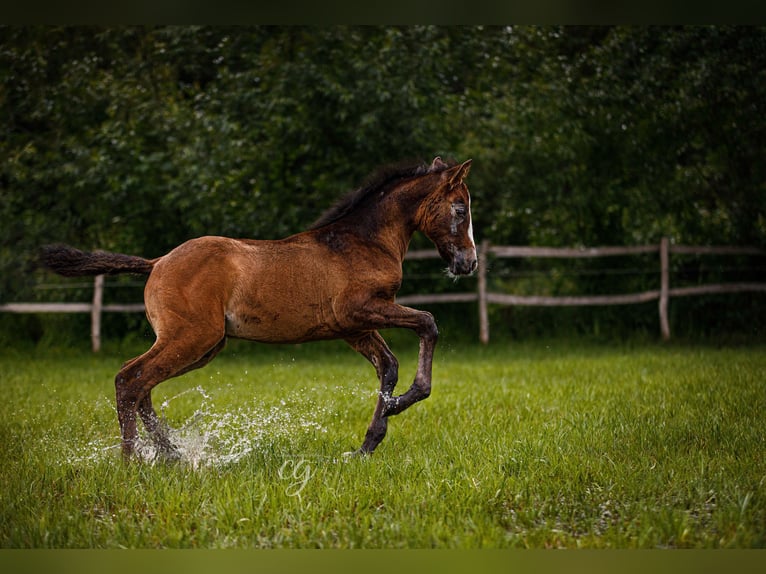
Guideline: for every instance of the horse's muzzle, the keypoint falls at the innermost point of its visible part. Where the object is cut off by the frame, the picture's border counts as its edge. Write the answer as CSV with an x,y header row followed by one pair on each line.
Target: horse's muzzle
x,y
464,262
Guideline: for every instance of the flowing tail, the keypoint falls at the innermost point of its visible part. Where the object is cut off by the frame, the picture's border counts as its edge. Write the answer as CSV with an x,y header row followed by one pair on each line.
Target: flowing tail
x,y
71,262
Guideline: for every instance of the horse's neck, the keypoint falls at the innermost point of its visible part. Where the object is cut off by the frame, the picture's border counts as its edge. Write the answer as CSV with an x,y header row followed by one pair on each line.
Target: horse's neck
x,y
389,224
398,219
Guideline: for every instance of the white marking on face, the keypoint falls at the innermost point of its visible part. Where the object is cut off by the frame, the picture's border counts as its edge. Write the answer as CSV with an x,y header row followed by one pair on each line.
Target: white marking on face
x,y
470,224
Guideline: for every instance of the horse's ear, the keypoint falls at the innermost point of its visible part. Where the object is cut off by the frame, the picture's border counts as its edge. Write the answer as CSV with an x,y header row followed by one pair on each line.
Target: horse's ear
x,y
458,174
437,164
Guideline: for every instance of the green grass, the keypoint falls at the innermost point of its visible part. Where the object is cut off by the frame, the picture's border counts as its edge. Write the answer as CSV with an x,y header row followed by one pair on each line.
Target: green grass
x,y
519,445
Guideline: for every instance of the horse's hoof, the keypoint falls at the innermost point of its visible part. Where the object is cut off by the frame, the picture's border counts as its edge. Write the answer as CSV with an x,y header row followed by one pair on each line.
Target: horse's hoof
x,y
359,453
168,455
128,451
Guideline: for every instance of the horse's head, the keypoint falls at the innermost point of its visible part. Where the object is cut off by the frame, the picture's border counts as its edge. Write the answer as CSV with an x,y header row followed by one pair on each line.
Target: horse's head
x,y
445,217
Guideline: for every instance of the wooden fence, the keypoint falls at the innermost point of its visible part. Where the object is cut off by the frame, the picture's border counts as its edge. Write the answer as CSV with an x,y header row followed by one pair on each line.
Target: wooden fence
x,y
662,294
482,295
95,308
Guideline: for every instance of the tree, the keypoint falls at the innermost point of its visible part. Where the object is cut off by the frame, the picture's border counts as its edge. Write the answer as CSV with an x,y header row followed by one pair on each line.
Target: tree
x,y
135,139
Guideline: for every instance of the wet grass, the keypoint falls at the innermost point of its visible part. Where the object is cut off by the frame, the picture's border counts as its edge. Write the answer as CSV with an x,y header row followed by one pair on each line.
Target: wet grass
x,y
518,446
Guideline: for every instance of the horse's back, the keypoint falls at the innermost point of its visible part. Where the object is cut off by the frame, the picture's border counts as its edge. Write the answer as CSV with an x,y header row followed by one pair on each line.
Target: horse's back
x,y
273,291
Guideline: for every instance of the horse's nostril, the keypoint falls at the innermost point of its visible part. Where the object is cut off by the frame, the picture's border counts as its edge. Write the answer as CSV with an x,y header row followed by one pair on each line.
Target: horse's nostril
x,y
474,265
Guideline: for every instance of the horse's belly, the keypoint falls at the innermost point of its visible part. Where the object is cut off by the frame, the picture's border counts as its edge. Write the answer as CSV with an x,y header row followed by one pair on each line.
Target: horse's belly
x,y
279,326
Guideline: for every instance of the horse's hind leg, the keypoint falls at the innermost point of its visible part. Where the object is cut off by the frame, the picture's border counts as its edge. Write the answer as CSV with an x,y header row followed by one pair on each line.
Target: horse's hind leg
x,y
145,409
137,378
374,349
154,426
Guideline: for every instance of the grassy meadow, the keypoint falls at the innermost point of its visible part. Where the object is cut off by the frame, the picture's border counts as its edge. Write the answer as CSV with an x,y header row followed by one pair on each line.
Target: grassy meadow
x,y
519,446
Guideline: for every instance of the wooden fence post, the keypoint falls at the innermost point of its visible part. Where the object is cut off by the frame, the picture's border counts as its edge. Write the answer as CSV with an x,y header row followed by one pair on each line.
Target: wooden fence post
x,y
664,288
482,286
95,313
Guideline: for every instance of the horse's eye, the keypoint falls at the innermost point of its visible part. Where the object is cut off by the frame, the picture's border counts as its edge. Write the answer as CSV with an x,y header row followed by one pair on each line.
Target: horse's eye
x,y
459,210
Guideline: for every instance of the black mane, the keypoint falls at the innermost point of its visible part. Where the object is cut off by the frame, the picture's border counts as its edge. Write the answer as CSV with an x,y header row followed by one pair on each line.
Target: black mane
x,y
376,182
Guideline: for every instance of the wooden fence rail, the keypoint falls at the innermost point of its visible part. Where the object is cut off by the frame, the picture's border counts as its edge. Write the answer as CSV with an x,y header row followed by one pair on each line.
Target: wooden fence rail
x,y
95,308
663,294
482,295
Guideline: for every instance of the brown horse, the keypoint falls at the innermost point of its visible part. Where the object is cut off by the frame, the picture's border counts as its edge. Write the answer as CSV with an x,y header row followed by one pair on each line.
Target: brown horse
x,y
338,280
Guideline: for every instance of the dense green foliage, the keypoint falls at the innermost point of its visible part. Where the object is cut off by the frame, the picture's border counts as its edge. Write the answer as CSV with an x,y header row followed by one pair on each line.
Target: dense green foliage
x,y
135,139
527,446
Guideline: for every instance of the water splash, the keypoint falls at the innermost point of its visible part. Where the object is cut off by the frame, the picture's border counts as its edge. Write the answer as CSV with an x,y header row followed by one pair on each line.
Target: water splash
x,y
213,438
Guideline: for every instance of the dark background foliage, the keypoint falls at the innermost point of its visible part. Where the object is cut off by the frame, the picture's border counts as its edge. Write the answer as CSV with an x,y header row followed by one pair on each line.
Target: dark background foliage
x,y
134,139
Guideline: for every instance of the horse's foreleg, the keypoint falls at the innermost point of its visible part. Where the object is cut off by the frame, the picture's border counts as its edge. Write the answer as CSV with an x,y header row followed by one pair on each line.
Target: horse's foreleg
x,y
386,315
421,386
374,349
